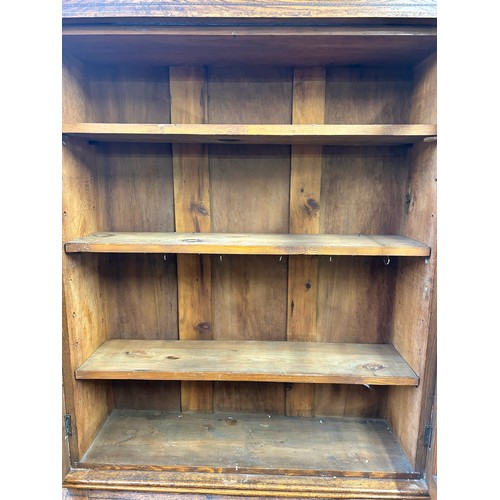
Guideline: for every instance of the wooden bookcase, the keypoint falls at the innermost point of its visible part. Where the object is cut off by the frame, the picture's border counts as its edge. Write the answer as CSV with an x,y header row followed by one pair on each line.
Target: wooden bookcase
x,y
249,249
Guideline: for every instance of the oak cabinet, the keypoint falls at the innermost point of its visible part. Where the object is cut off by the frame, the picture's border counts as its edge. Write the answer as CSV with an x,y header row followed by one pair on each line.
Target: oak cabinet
x,y
249,254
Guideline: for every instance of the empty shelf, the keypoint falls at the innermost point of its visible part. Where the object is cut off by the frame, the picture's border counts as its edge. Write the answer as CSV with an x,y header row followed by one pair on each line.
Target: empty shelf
x,y
257,361
357,135
247,244
248,443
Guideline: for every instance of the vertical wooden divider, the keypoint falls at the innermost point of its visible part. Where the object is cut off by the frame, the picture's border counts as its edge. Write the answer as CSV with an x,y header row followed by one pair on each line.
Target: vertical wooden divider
x,y
188,103
305,188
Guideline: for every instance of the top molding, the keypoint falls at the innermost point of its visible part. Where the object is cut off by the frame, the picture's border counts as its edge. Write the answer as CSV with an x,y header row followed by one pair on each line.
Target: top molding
x,y
249,10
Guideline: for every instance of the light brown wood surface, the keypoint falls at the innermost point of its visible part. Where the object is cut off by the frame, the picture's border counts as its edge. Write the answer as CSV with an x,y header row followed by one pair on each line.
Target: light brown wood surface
x,y
139,292
128,94
373,134
266,361
248,244
189,98
88,404
274,9
414,317
305,204
361,193
144,485
255,180
250,193
369,94
248,443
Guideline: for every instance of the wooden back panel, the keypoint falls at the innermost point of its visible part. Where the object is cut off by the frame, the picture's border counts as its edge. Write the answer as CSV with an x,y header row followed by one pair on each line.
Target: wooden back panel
x,y
359,190
360,193
136,190
249,188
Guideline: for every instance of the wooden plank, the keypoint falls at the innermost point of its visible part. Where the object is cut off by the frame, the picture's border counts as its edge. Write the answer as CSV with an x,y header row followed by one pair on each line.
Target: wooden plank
x,y
175,9
83,328
263,485
348,400
128,94
414,319
248,443
250,193
248,244
247,360
192,213
305,43
355,298
369,94
358,135
365,196
135,180
305,190
85,320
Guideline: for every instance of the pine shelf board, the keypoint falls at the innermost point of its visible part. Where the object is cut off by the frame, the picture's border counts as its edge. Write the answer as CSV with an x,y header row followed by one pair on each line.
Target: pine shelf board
x,y
356,135
248,244
250,361
248,443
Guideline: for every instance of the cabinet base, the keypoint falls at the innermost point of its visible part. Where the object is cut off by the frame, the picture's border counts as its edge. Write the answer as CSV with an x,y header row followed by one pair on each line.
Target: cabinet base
x,y
197,484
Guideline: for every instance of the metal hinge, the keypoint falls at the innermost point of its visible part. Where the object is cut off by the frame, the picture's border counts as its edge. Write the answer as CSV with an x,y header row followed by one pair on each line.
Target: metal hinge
x,y
68,428
427,436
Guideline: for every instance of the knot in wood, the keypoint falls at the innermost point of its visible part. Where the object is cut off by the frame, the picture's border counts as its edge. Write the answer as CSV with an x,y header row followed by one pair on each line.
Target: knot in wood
x,y
203,327
200,209
311,207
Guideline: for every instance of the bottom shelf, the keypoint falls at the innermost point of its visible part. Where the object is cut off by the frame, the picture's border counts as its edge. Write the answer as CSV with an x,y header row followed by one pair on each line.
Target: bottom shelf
x,y
248,444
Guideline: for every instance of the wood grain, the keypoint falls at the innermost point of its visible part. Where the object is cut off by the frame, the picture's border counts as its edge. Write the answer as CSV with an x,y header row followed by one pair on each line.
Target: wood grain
x,y
145,485
65,462
414,317
267,361
128,94
248,244
188,90
358,135
135,182
238,188
305,189
369,94
302,42
236,9
348,400
84,327
250,193
356,294
248,443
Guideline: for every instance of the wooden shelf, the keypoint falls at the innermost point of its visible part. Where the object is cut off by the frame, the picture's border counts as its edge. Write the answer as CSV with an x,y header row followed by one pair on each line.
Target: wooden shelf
x,y
251,361
248,443
248,244
357,135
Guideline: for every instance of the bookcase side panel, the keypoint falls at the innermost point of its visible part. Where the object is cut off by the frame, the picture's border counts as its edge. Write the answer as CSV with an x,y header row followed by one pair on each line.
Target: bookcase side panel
x,y
414,327
85,322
